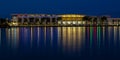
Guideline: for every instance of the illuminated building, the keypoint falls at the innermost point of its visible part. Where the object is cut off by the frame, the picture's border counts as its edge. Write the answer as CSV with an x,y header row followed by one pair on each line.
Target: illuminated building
x,y
71,19
25,19
33,19
61,20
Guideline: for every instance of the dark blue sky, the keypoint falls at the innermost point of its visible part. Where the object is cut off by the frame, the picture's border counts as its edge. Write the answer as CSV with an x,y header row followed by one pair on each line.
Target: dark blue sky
x,y
89,7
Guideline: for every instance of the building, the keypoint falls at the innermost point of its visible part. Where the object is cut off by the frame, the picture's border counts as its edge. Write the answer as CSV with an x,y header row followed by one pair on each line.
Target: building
x,y
28,19
71,19
63,19
113,21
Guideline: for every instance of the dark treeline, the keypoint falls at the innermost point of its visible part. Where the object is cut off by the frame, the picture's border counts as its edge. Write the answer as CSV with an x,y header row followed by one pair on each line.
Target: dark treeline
x,y
4,22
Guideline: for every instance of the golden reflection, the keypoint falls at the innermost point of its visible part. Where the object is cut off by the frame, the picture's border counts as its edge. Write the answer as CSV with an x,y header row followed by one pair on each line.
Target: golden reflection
x,y
8,35
83,37
59,35
74,38
71,38
14,37
64,37
115,35
109,34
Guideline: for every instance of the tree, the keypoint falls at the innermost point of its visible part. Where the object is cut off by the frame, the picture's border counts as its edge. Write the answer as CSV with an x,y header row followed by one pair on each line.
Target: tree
x,y
103,19
95,20
86,19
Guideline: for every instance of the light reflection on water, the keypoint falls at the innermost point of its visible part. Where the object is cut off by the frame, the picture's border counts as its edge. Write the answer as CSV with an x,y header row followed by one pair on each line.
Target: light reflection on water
x,y
62,40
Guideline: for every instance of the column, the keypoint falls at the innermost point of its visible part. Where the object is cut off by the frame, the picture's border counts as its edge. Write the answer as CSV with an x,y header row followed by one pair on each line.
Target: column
x,y
34,20
61,21
39,19
55,20
22,20
72,21
77,20
117,22
28,20
81,21
50,20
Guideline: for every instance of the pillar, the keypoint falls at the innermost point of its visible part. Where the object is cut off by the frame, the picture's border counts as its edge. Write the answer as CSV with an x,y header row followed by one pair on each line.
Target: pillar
x,y
50,20
55,20
39,19
34,20
22,20
28,20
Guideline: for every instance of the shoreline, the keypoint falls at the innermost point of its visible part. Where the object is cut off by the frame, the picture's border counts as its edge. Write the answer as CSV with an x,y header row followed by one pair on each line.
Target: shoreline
x,y
3,26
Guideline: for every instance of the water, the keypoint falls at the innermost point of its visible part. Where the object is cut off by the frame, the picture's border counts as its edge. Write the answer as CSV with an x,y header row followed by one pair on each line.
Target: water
x,y
60,43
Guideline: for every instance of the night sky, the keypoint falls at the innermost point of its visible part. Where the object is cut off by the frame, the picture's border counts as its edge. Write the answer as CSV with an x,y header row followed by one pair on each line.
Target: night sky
x,y
88,7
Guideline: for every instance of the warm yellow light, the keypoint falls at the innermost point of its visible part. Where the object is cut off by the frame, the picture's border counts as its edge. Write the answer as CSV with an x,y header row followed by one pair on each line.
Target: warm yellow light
x,y
79,22
72,15
83,22
69,22
74,22
59,22
15,23
64,22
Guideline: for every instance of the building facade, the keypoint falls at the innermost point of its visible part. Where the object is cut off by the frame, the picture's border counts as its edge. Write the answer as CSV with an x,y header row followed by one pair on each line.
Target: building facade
x,y
26,19
63,19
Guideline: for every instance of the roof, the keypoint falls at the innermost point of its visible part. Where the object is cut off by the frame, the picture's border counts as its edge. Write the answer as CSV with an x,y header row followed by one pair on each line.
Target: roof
x,y
71,15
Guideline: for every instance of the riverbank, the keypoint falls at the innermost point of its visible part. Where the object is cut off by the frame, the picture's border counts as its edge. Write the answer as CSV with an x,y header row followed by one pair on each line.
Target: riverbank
x,y
58,26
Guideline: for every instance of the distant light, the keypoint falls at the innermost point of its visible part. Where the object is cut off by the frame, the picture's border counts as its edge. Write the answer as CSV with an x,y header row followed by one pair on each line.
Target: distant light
x,y
83,22
74,22
59,22
79,22
64,22
69,22
15,23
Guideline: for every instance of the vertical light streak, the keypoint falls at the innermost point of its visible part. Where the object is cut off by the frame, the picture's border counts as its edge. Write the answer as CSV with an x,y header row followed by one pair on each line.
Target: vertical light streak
x,y
115,35
45,36
109,35
80,34
91,36
83,33
99,35
103,30
59,35
67,47
74,39
69,38
12,37
38,35
0,36
119,35
17,36
77,39
64,38
31,36
15,44
51,38
25,35
8,35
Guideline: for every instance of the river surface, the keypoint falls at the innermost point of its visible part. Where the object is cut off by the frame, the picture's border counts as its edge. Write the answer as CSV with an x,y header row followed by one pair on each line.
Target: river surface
x,y
60,43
